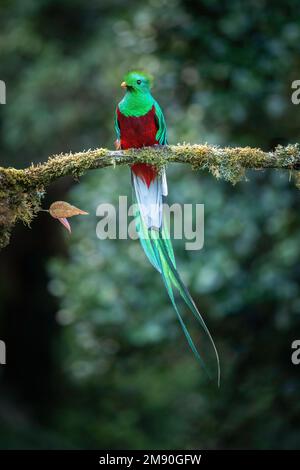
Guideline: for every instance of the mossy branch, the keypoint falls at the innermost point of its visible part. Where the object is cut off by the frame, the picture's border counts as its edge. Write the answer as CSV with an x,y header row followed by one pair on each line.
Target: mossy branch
x,y
21,191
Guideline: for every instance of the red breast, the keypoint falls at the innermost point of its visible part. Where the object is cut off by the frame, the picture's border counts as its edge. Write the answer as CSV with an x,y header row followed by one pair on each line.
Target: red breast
x,y
138,131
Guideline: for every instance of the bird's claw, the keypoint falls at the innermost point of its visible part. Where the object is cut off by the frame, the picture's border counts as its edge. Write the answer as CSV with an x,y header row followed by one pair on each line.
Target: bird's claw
x,y
117,144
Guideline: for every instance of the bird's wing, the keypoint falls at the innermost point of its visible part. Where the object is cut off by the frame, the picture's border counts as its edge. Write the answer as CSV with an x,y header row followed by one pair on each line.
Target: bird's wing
x,y
161,135
117,127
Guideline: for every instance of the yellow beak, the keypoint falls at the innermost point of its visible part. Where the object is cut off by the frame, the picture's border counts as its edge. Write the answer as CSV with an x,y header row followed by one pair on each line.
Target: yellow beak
x,y
123,84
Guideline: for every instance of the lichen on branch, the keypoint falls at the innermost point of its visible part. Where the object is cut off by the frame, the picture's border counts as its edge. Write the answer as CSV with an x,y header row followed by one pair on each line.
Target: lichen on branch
x,y
21,191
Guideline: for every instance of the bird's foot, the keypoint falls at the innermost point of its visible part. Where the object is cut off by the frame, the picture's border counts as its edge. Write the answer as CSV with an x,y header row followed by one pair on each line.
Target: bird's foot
x,y
117,144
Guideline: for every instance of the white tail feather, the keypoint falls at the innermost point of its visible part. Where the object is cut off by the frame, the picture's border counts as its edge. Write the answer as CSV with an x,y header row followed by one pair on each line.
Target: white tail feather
x,y
149,199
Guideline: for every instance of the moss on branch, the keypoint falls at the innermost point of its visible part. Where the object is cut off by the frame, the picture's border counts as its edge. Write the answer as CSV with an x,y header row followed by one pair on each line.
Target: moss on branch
x,y
21,191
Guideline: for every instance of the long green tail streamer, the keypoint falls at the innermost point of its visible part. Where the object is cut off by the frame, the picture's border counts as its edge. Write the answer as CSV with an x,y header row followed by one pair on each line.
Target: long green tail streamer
x,y
158,248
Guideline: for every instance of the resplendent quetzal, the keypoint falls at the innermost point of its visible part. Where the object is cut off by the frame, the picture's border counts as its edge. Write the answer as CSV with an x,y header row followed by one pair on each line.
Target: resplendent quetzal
x,y
139,122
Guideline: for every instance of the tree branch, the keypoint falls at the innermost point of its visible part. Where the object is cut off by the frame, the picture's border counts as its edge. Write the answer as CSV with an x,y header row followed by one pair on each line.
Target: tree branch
x,y
21,191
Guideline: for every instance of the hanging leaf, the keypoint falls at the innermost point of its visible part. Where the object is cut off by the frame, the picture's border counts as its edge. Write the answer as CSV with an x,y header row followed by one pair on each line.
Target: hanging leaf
x,y
62,209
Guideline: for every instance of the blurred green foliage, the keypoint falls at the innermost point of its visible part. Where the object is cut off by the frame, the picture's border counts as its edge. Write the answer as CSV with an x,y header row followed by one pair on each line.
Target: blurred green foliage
x,y
126,377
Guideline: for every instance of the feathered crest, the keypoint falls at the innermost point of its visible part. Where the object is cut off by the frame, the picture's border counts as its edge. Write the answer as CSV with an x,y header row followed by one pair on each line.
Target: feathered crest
x,y
139,73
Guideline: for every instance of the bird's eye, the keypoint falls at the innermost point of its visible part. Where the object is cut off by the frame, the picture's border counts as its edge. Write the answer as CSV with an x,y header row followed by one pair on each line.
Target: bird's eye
x,y
139,82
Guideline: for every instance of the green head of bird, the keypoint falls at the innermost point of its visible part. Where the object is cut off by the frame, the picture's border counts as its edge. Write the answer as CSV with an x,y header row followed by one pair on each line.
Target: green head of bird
x,y
137,82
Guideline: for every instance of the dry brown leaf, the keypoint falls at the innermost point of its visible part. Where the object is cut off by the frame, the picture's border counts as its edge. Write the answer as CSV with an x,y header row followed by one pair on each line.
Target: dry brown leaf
x,y
62,209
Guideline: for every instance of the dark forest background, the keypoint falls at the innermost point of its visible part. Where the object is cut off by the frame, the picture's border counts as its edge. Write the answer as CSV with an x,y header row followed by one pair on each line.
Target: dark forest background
x,y
95,356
